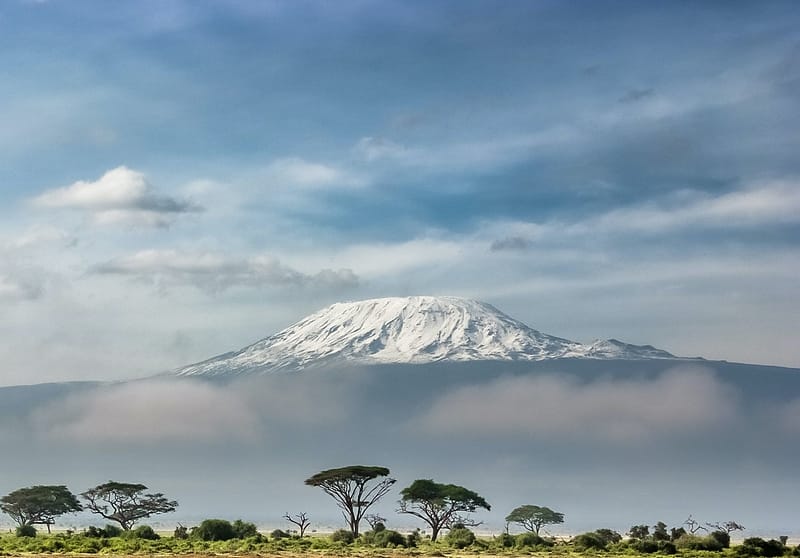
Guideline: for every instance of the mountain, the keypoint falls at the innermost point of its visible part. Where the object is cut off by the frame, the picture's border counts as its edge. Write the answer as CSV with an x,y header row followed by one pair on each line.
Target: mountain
x,y
408,330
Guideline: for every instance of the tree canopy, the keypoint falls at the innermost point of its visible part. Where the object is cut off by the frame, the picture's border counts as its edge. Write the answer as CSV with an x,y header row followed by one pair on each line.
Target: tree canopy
x,y
126,503
352,489
440,505
533,518
39,505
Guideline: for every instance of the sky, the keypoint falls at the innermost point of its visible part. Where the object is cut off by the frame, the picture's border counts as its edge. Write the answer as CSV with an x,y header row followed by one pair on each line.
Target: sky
x,y
179,178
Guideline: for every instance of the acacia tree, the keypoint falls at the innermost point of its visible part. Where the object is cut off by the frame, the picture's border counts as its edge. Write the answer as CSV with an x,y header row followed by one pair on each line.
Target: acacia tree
x,y
39,505
126,503
533,518
352,490
440,505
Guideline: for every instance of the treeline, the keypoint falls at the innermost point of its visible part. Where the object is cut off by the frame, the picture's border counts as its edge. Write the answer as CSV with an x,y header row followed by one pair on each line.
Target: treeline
x,y
354,490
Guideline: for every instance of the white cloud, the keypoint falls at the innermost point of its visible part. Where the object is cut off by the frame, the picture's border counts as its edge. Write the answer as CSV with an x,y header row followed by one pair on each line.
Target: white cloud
x,y
680,402
216,272
151,412
120,196
294,172
762,203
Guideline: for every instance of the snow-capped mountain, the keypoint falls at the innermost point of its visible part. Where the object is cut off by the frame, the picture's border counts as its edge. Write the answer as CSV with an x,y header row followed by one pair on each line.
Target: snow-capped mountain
x,y
408,330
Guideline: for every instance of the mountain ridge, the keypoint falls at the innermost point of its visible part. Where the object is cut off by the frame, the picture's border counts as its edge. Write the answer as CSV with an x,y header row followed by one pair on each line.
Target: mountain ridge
x,y
408,330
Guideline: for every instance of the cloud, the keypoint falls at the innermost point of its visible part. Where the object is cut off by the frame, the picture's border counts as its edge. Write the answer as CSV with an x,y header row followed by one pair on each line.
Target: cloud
x,y
216,272
37,236
681,402
372,148
763,203
186,412
789,416
120,196
637,95
151,412
295,172
19,288
510,243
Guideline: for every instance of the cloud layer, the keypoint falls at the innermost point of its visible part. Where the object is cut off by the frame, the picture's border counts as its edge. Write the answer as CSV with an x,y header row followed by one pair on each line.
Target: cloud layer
x,y
679,403
215,272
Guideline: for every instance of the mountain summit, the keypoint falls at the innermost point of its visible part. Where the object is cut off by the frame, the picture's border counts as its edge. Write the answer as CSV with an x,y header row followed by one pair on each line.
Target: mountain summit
x,y
407,330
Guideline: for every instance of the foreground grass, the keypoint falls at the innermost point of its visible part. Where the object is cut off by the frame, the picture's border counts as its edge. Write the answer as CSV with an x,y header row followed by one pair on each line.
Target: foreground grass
x,y
79,544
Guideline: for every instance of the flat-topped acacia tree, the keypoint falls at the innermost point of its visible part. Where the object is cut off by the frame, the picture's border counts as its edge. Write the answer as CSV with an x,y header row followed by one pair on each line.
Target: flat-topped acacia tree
x,y
352,489
39,505
440,505
533,518
126,503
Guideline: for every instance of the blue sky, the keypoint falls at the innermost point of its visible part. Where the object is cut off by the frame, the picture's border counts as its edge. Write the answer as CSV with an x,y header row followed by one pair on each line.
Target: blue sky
x,y
181,178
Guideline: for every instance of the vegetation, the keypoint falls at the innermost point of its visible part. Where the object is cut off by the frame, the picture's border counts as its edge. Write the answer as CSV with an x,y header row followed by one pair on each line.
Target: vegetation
x,y
352,489
533,518
38,505
126,503
441,506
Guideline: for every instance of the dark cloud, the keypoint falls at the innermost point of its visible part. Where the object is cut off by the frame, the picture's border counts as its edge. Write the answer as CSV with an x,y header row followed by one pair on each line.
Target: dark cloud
x,y
635,95
511,243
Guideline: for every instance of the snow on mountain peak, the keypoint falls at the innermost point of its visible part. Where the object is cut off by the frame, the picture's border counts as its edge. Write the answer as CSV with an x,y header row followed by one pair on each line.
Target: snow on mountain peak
x,y
416,330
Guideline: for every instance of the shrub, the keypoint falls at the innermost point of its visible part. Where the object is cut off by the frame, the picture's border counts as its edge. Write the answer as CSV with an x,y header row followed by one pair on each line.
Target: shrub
x,y
527,540
645,546
693,542
755,546
181,533
722,538
145,532
26,531
504,540
588,541
413,539
460,537
608,536
214,530
384,537
244,530
667,547
343,535
277,535
107,532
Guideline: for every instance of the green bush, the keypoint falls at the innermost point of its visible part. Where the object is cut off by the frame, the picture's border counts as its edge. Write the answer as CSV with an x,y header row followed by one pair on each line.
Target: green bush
x,y
460,537
667,547
383,538
527,540
693,542
722,538
589,541
504,540
181,533
214,530
26,531
107,532
343,535
645,546
608,536
756,546
145,532
244,530
413,539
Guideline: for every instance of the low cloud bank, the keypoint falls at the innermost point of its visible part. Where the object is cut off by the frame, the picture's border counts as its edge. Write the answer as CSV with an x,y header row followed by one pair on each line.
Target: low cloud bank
x,y
680,402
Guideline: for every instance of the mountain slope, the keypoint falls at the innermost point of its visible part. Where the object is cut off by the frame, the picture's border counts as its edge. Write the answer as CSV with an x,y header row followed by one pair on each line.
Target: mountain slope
x,y
408,330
